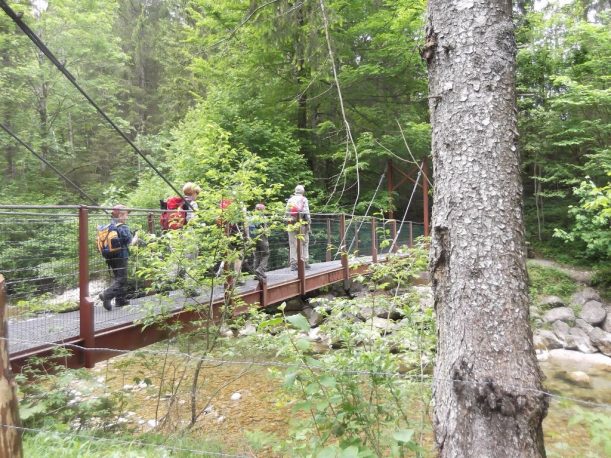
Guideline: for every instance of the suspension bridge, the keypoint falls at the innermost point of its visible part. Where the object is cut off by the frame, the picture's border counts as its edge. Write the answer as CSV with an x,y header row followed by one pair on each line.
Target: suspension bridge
x,y
53,272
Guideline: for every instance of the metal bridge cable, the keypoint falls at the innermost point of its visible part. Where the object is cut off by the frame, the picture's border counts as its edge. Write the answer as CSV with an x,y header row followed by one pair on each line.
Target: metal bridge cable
x,y
410,153
406,210
42,159
349,139
408,377
43,48
366,211
121,441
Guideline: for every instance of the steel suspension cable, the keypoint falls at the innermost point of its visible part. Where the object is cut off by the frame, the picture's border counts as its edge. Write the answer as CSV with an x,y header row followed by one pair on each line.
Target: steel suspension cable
x,y
43,160
366,212
394,242
47,52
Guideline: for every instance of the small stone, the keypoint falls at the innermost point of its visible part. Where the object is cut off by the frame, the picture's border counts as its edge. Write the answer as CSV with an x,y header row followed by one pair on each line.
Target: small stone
x,y
593,312
128,387
220,419
542,355
550,302
248,330
236,396
559,314
579,378
152,423
313,317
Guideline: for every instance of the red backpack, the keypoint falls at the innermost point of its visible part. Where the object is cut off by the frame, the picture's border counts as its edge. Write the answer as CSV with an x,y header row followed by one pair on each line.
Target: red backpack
x,y
175,216
296,210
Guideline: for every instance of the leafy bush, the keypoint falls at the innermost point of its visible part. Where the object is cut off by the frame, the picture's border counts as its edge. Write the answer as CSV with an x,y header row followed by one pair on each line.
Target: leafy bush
x,y
546,281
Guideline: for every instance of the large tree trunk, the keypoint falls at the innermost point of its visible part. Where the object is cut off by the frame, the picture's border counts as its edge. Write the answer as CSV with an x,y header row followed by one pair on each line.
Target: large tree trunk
x,y
10,435
487,380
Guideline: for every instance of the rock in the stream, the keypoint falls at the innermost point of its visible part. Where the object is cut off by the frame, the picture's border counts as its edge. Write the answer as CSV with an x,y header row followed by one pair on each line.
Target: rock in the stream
x,y
585,295
550,302
593,312
578,378
546,340
584,325
559,314
594,360
602,340
578,339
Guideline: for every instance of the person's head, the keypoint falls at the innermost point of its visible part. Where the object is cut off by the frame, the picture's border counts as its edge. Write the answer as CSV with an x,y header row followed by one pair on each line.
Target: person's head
x,y
299,189
120,213
191,189
260,207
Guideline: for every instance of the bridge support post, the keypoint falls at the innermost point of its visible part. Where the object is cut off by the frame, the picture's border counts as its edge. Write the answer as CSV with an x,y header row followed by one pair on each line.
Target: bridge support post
x,y
425,196
374,241
300,262
10,435
150,224
86,314
263,301
411,234
344,253
328,255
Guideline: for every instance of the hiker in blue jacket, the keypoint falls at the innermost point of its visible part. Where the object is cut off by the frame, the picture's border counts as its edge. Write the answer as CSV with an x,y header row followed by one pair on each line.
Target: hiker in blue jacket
x,y
118,262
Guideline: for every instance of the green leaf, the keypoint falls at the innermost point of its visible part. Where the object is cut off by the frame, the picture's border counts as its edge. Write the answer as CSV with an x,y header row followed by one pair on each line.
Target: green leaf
x,y
299,321
350,452
303,344
27,411
328,452
328,381
403,435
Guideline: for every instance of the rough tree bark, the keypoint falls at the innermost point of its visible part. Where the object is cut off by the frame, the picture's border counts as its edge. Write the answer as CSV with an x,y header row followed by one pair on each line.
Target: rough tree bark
x,y
487,378
10,437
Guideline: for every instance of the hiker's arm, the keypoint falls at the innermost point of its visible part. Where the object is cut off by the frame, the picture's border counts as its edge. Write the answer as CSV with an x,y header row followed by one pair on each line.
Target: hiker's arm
x,y
124,235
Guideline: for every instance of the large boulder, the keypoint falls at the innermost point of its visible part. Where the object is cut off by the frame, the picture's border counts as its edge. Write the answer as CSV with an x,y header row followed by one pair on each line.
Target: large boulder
x,y
546,340
550,302
585,295
593,312
602,340
579,339
584,325
559,314
561,329
578,378
606,326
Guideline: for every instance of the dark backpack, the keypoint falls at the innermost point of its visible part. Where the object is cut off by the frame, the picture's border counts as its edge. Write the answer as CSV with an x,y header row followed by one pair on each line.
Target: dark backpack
x,y
175,214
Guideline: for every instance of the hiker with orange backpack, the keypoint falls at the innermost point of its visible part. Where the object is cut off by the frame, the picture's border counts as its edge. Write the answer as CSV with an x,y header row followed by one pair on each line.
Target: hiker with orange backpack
x,y
298,217
113,243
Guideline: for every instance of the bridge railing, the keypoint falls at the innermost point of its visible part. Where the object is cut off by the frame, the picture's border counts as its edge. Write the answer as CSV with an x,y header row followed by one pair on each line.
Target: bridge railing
x,y
45,250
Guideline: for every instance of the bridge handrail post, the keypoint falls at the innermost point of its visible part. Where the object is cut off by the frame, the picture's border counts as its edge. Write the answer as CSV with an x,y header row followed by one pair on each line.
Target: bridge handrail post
x,y
300,260
86,314
10,440
395,240
150,223
374,242
328,255
343,250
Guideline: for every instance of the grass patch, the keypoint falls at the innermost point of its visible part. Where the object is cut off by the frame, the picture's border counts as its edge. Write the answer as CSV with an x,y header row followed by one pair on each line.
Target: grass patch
x,y
52,444
547,281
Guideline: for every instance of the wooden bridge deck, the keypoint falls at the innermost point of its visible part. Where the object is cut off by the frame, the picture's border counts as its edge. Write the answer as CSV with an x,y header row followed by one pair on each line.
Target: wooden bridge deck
x,y
121,328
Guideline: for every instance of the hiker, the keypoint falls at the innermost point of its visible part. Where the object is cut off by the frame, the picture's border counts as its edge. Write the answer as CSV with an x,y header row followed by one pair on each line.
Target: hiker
x,y
259,231
117,261
298,216
237,230
191,191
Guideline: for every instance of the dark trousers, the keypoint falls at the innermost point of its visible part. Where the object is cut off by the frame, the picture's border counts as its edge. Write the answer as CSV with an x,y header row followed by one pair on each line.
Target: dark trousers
x,y
118,288
261,257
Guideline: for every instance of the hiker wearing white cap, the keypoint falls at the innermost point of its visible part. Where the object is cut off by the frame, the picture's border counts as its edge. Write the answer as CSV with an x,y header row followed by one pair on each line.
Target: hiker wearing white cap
x,y
298,215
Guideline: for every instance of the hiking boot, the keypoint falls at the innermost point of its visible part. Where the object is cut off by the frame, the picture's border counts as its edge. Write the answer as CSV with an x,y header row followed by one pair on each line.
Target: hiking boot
x,y
106,303
308,266
122,303
293,267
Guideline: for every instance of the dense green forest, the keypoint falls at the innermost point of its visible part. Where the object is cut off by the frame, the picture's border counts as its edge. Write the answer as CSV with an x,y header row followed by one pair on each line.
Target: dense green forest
x,y
319,93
